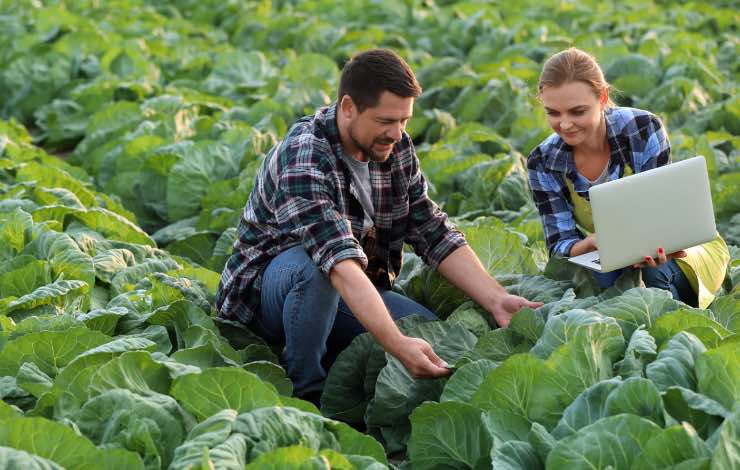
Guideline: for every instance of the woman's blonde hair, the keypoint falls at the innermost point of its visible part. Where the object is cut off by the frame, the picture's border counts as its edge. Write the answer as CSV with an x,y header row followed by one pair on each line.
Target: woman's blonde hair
x,y
573,65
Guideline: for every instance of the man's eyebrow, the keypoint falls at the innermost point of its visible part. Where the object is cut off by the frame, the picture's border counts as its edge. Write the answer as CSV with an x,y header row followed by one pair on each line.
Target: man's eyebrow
x,y
392,119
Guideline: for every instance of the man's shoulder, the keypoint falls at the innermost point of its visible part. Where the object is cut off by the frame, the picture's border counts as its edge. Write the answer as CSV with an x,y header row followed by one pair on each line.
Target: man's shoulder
x,y
405,152
309,130
308,141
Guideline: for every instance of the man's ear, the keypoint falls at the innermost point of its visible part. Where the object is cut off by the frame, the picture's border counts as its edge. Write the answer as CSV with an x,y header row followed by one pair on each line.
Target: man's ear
x,y
347,107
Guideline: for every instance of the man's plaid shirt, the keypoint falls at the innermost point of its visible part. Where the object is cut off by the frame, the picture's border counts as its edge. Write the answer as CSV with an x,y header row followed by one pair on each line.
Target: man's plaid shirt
x,y
303,196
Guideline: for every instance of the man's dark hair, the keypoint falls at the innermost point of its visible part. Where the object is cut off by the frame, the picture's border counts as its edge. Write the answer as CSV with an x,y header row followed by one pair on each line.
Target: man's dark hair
x,y
368,74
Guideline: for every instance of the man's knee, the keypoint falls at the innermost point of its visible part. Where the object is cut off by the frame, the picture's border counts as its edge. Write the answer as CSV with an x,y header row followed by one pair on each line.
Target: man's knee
x,y
293,286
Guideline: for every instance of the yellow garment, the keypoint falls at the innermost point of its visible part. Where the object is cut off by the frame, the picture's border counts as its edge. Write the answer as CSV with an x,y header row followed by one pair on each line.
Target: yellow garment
x,y
582,206
704,266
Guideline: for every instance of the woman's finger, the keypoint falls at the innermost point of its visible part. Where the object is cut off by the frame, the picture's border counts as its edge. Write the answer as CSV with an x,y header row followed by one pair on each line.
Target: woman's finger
x,y
661,256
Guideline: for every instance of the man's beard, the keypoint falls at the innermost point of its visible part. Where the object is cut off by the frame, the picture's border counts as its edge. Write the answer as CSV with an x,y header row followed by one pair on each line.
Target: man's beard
x,y
368,151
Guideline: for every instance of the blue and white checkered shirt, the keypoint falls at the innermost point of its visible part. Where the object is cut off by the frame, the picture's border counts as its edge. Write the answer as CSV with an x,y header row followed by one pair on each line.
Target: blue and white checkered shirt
x,y
636,138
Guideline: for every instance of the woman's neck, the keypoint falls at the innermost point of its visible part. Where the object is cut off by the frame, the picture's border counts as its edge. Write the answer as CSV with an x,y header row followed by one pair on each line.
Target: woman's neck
x,y
597,144
592,156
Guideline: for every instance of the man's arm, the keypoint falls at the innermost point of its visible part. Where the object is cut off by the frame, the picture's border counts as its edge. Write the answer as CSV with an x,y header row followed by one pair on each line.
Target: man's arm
x,y
366,304
465,271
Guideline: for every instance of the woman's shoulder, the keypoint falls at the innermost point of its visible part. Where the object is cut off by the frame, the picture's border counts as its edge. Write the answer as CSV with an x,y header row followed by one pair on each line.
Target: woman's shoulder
x,y
548,150
626,120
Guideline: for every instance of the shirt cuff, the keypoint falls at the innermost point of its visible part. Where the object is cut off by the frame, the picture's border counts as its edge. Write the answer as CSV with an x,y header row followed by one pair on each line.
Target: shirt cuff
x,y
451,241
562,248
340,252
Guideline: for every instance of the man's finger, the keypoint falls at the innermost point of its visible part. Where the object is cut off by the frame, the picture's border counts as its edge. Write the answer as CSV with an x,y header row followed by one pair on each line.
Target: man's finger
x,y
503,321
436,360
432,368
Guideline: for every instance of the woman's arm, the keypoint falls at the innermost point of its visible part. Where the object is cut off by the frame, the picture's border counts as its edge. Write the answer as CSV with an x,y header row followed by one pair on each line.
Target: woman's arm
x,y
650,145
556,211
586,245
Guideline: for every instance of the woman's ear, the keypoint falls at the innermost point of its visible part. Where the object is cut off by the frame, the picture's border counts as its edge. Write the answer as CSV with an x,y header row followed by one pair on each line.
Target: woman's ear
x,y
604,97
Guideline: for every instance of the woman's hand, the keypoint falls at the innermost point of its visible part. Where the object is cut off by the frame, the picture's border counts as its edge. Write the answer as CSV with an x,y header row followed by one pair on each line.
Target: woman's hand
x,y
587,245
662,258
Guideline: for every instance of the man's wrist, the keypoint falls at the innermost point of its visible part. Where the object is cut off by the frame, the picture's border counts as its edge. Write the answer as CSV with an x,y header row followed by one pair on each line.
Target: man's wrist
x,y
495,298
391,342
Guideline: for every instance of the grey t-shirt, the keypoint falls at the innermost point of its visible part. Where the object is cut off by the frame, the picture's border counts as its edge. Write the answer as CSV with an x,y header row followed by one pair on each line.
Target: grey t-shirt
x,y
602,178
363,190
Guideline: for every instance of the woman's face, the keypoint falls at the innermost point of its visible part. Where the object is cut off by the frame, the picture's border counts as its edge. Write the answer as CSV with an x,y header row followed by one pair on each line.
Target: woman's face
x,y
574,112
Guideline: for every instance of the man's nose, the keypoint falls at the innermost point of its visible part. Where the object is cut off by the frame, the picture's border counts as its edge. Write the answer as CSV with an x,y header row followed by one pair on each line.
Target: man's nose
x,y
395,132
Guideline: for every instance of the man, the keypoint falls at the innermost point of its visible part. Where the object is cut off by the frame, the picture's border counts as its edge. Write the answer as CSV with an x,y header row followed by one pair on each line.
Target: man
x,y
320,240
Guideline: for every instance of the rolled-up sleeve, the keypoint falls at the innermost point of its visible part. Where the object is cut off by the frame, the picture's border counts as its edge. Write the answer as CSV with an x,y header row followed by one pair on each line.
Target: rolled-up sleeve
x,y
307,212
430,233
556,212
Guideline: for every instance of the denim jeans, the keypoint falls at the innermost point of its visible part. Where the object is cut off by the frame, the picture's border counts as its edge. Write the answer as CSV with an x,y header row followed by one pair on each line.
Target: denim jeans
x,y
667,276
300,308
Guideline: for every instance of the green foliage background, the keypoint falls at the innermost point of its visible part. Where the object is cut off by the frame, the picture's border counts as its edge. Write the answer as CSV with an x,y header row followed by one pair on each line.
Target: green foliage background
x,y
131,134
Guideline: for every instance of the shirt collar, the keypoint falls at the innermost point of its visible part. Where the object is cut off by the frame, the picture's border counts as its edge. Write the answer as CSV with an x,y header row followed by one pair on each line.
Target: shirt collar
x,y
329,118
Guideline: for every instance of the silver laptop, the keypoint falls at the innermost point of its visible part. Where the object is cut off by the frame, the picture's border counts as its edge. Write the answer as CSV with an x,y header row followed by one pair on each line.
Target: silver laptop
x,y
669,207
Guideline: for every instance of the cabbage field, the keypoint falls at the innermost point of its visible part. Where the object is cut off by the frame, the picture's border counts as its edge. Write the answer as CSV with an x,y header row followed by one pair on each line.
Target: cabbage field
x,y
130,134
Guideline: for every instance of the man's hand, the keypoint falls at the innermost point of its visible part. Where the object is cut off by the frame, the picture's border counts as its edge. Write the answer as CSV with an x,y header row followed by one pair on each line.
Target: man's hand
x,y
365,302
419,358
465,271
504,307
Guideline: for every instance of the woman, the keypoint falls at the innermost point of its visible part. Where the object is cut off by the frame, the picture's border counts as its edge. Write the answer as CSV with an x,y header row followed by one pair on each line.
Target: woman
x,y
595,142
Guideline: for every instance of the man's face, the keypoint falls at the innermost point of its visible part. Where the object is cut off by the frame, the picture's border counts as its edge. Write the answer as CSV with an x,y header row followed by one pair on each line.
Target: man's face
x,y
377,129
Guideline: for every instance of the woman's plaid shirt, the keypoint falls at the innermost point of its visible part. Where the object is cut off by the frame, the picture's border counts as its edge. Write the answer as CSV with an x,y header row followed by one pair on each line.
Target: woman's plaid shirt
x,y
303,196
636,138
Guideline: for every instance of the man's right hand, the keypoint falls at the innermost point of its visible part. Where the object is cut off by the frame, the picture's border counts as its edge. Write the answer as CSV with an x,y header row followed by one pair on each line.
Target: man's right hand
x,y
419,358
365,302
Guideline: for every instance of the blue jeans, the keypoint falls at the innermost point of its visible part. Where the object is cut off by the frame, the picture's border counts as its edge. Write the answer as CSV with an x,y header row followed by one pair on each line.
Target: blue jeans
x,y
667,276
300,308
